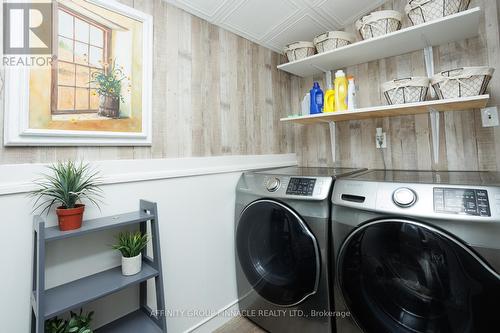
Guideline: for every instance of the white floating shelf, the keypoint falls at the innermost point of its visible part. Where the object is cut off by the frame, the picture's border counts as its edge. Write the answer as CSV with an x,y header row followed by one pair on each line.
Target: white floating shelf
x,y
456,104
451,28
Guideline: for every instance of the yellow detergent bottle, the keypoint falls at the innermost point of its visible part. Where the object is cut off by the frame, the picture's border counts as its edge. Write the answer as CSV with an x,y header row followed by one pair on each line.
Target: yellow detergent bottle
x,y
329,100
329,104
340,91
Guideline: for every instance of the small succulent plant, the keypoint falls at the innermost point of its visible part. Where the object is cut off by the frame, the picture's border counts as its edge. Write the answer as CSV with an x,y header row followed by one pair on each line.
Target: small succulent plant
x,y
130,244
55,325
77,323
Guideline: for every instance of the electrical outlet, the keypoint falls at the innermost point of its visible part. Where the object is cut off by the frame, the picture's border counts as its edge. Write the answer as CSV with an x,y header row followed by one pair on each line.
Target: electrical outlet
x,y
489,116
380,139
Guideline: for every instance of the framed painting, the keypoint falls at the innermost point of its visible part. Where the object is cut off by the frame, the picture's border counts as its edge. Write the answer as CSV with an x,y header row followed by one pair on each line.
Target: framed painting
x,y
96,89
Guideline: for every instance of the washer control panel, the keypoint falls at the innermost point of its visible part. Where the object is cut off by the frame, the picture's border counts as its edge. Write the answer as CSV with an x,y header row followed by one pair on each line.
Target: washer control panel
x,y
301,186
462,201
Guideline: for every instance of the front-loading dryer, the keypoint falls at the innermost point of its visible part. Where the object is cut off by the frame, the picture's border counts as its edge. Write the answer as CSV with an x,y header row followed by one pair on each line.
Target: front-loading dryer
x,y
282,240
417,252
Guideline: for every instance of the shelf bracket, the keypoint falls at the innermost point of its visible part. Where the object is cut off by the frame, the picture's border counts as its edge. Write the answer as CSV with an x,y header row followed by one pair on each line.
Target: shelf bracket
x,y
429,64
332,140
433,114
434,117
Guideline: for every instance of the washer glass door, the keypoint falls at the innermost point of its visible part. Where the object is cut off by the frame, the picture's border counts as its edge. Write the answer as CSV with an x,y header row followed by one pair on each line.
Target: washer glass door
x,y
405,276
277,253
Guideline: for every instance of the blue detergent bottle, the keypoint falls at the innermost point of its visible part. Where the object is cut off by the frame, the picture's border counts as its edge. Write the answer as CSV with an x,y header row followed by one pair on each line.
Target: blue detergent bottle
x,y
317,98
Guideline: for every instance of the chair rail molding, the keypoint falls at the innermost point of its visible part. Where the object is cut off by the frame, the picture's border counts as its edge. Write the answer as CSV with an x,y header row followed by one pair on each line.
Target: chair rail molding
x,y
18,178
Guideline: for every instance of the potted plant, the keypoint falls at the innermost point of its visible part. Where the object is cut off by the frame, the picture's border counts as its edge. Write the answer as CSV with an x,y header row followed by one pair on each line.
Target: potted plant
x,y
77,323
66,187
131,244
55,325
109,88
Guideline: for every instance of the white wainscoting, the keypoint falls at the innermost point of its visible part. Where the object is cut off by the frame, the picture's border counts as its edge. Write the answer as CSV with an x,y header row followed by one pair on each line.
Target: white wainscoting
x,y
195,199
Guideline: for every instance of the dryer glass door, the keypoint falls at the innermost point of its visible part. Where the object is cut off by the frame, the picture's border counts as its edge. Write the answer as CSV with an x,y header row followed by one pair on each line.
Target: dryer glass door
x,y
277,253
406,276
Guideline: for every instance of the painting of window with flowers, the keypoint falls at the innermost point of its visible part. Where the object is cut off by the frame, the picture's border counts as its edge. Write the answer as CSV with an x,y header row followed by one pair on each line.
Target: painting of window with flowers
x,y
97,76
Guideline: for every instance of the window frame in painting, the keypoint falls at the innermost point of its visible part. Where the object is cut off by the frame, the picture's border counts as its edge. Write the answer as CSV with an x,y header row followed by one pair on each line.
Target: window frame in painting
x,y
55,72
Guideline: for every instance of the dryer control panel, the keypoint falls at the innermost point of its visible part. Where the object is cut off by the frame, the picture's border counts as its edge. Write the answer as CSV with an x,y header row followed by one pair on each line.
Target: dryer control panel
x,y
461,201
301,186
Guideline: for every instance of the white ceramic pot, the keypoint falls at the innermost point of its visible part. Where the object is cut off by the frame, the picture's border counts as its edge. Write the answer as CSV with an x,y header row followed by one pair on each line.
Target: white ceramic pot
x,y
131,266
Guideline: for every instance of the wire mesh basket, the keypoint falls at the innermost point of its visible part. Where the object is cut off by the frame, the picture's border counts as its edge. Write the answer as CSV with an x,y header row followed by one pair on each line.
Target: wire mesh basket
x,y
407,90
379,23
462,82
421,11
333,40
299,50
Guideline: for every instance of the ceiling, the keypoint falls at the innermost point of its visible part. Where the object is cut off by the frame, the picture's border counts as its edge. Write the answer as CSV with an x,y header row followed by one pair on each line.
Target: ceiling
x,y
275,23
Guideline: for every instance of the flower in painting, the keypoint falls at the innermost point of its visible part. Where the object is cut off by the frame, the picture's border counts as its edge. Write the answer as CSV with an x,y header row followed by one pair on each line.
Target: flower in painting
x,y
109,82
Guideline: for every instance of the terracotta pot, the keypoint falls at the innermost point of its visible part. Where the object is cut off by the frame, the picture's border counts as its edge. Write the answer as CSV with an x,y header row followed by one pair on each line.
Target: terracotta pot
x,y
109,106
70,219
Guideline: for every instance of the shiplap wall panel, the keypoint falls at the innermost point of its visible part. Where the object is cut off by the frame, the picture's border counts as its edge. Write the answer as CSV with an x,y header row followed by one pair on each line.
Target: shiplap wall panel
x,y
464,143
214,93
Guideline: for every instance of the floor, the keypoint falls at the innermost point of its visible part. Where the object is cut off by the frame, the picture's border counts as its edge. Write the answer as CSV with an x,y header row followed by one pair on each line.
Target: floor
x,y
239,325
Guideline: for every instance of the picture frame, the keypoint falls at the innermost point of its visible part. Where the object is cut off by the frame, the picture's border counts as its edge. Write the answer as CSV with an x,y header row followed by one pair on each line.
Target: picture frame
x,y
18,128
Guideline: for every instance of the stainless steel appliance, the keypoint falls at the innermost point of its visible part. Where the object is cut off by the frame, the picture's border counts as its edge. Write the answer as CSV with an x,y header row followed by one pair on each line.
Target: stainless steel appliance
x,y
417,251
282,237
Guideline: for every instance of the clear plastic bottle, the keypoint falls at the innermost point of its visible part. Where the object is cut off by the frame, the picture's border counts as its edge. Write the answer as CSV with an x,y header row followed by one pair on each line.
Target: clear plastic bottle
x,y
351,94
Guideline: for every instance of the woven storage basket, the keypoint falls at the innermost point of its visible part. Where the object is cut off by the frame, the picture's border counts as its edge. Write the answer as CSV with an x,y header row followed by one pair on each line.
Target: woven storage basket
x,y
379,23
299,50
408,90
462,82
332,40
421,11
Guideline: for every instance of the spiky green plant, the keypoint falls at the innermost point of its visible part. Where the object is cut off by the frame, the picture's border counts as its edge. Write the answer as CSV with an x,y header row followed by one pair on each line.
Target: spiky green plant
x,y
130,244
68,184
55,325
79,323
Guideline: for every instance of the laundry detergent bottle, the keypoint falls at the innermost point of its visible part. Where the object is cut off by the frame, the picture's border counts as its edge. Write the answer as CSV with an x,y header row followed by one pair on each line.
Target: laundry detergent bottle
x,y
329,100
316,99
341,85
351,94
329,103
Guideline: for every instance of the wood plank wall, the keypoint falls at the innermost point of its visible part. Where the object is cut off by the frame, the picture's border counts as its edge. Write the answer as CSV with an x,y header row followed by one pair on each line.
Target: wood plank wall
x,y
214,94
465,144
217,94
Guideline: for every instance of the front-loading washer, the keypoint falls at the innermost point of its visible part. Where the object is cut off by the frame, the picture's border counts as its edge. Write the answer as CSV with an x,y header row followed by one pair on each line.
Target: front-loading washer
x,y
417,251
282,243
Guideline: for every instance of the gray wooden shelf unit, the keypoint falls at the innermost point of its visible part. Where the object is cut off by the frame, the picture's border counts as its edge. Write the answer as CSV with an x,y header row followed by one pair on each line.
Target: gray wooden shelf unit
x,y
47,303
